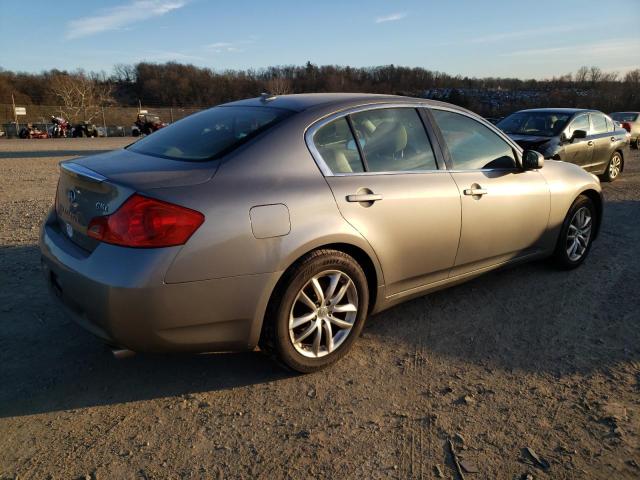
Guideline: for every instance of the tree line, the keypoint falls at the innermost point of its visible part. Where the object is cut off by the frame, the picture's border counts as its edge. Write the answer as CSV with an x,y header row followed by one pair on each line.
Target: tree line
x,y
178,85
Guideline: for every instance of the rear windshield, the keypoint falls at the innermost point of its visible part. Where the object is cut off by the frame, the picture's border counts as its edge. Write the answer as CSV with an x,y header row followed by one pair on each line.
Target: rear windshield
x,y
210,134
624,117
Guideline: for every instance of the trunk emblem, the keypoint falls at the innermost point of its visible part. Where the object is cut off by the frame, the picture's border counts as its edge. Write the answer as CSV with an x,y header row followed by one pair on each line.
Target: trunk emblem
x,y
71,195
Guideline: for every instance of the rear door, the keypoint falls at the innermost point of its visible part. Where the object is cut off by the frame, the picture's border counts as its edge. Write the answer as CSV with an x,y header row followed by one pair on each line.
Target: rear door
x,y
604,142
505,210
389,187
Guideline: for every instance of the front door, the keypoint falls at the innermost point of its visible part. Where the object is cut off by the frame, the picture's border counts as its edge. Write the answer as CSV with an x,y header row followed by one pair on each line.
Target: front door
x,y
505,210
387,185
579,150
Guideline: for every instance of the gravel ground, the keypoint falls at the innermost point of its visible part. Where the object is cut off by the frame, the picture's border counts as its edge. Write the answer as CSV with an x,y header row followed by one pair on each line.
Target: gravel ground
x,y
527,357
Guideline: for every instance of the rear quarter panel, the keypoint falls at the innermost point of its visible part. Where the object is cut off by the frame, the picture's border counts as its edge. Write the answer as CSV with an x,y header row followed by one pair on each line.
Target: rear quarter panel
x,y
276,169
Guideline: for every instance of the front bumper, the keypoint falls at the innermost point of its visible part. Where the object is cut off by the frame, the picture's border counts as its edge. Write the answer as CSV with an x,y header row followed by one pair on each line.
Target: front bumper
x,y
119,295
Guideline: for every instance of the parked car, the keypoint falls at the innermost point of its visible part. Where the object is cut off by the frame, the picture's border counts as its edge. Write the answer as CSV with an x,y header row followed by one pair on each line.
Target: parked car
x,y
85,129
587,138
285,221
630,121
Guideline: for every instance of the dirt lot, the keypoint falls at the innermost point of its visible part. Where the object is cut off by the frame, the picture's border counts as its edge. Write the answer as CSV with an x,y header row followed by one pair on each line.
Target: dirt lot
x,y
526,357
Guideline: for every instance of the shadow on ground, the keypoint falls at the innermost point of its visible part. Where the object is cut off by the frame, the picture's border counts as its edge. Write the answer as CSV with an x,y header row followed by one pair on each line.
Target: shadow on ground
x,y
531,317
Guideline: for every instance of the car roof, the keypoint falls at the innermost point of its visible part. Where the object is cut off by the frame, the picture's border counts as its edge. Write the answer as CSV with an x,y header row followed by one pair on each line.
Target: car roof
x,y
559,110
306,101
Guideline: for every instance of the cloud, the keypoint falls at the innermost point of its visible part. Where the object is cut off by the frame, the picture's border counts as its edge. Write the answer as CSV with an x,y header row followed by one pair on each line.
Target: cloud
x,y
230,47
593,50
118,17
498,37
168,56
394,17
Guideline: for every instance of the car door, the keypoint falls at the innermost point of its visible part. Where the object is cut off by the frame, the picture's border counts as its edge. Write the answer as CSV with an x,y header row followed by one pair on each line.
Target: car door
x,y
604,142
505,210
388,186
578,150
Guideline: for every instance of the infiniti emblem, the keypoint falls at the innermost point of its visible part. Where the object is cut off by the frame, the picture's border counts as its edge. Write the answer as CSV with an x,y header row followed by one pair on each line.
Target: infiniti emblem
x,y
71,195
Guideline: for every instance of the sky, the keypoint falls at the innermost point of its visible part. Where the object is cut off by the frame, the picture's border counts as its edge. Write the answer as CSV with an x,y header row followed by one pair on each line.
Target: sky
x,y
478,38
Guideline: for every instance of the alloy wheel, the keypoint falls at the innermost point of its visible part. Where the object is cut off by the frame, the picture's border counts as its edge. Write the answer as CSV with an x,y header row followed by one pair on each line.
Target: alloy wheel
x,y
579,234
614,166
323,314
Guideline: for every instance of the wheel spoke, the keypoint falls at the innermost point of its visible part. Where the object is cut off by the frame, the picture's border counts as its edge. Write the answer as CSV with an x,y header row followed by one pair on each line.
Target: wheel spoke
x,y
298,321
347,307
338,296
339,323
306,333
306,300
317,290
333,283
328,333
316,340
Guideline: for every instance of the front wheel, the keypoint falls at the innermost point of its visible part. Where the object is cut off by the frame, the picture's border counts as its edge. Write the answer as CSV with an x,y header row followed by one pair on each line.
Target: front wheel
x,y
614,168
317,312
576,234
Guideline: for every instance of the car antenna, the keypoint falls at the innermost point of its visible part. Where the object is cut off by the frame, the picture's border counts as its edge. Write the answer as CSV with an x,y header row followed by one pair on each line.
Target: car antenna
x,y
267,97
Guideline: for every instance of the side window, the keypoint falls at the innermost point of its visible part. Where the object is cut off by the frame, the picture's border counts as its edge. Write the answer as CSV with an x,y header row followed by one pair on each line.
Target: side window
x,y
337,147
579,123
393,139
472,145
599,123
610,127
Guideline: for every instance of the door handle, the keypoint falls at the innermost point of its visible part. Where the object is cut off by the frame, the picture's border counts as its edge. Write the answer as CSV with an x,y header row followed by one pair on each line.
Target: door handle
x,y
475,191
613,139
364,197
590,143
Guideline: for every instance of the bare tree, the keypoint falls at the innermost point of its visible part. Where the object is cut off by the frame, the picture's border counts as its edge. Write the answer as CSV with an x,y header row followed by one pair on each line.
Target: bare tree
x,y
279,86
81,97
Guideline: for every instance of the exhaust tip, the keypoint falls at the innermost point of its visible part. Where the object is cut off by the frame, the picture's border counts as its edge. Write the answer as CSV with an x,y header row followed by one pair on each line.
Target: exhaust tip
x,y
120,353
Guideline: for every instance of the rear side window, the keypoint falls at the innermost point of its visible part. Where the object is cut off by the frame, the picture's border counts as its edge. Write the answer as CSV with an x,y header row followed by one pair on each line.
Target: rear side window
x,y
472,145
598,123
393,140
210,134
610,126
338,148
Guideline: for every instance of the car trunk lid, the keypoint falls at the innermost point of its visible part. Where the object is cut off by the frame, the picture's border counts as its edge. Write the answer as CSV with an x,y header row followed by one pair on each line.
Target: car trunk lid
x,y
99,185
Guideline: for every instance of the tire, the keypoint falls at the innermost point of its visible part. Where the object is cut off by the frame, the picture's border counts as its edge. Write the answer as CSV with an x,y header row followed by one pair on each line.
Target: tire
x,y
562,257
614,167
313,351
636,144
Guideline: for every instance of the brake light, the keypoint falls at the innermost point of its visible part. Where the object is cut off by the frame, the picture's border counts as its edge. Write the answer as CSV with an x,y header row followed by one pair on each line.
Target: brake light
x,y
146,222
626,126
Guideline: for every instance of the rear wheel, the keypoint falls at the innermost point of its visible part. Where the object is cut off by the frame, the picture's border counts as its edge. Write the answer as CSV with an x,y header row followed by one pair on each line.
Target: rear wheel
x,y
636,144
576,234
614,168
317,312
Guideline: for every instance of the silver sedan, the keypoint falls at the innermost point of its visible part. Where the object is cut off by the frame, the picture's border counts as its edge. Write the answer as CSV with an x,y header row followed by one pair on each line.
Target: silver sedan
x,y
283,222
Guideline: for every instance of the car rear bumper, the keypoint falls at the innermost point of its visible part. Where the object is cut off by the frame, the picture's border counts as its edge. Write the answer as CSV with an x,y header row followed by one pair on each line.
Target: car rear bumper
x,y
119,295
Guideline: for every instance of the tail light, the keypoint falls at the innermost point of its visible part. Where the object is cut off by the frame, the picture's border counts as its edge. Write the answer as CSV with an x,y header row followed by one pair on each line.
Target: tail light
x,y
626,126
146,222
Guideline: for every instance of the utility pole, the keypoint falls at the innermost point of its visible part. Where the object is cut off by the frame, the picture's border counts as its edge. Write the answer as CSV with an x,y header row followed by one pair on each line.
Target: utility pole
x,y
15,115
139,105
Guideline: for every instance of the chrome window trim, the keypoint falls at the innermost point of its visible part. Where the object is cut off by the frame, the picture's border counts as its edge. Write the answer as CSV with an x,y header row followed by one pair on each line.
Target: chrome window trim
x,y
318,124
81,171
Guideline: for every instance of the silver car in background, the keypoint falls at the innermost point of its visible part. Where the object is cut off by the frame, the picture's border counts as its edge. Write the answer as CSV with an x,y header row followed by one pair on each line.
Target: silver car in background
x,y
631,122
285,221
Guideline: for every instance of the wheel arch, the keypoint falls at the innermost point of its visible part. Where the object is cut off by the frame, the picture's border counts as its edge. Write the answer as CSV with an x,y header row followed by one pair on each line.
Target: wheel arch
x,y
619,150
596,198
366,260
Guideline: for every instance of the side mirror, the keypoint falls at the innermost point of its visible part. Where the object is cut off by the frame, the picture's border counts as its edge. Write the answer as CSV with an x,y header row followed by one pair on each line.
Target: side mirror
x,y
532,160
578,134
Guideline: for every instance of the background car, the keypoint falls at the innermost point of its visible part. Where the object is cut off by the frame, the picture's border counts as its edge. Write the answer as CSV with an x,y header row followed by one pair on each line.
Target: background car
x,y
588,138
630,121
85,129
286,221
